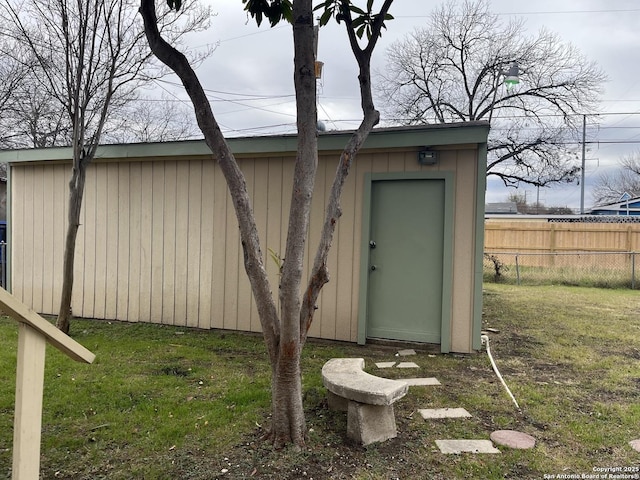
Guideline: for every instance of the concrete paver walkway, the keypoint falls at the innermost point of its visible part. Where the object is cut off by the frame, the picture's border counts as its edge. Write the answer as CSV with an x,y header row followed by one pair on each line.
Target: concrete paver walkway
x,y
507,438
385,364
430,413
419,382
407,365
468,446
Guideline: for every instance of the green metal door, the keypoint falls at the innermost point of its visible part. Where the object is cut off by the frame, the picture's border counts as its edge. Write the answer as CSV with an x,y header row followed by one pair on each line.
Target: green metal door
x,y
406,257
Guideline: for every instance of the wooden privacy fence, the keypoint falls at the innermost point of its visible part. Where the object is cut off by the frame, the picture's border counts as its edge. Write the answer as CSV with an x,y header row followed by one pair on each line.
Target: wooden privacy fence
x,y
537,251
554,237
33,334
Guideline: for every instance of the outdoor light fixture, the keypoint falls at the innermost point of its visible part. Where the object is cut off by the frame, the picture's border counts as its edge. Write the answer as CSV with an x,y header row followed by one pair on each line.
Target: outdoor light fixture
x,y
512,76
427,157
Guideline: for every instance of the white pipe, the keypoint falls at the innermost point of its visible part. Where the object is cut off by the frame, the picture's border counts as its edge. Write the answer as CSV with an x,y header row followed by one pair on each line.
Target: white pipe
x,y
485,340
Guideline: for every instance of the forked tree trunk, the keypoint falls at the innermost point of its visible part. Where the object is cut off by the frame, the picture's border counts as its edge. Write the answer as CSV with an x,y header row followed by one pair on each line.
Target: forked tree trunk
x,y
281,332
76,192
284,334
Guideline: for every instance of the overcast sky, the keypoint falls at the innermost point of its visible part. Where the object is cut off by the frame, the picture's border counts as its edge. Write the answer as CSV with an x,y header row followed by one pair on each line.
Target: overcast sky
x,y
250,82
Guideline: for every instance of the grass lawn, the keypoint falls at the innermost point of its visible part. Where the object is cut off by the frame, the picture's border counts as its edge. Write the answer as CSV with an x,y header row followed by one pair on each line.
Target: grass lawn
x,y
162,402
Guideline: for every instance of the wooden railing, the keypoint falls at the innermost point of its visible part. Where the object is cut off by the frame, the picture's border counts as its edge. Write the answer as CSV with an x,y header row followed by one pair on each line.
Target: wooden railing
x,y
33,334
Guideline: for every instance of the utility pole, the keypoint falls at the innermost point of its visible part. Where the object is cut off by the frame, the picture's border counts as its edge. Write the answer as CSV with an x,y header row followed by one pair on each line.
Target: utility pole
x,y
584,144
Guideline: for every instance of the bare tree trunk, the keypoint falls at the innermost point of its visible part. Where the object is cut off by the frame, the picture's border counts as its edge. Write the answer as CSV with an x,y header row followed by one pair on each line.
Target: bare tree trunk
x,y
284,334
76,192
288,420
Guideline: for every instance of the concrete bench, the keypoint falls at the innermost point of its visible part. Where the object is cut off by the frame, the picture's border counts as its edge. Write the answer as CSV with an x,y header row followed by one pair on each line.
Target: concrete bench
x,y
367,399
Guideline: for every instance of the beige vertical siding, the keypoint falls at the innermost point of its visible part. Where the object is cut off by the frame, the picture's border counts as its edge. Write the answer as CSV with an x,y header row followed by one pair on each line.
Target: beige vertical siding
x,y
464,248
159,239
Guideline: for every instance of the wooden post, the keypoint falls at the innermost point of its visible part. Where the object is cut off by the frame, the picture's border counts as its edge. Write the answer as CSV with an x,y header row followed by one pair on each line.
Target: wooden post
x,y
28,410
33,334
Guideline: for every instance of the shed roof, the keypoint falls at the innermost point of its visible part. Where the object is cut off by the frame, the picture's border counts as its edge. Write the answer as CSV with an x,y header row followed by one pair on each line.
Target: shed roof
x,y
390,137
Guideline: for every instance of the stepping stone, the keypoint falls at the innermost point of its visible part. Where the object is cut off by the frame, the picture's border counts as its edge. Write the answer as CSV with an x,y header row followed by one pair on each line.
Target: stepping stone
x,y
431,413
513,439
635,444
385,364
468,446
406,353
407,365
417,382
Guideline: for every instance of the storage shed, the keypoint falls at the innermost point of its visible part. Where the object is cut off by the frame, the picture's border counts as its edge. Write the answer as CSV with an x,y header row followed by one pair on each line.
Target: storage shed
x,y
159,242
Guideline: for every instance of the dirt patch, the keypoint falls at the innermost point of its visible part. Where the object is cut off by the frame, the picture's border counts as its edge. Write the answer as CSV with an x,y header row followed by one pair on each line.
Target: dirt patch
x,y
338,458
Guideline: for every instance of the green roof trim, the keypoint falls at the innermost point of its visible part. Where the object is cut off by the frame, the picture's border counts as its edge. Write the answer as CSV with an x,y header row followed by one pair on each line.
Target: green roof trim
x,y
394,137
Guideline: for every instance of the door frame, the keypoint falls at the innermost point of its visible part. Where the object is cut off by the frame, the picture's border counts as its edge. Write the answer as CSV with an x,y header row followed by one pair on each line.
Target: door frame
x,y
447,261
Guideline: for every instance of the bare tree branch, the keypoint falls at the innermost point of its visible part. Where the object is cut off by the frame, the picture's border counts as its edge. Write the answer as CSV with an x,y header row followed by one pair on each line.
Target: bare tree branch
x,y
452,71
90,57
609,187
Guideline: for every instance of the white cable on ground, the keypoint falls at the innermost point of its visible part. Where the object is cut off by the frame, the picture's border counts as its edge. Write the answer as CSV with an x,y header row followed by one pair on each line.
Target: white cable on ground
x,y
485,340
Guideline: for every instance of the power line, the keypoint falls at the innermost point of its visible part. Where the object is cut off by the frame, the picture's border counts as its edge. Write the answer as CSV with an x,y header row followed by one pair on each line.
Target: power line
x,y
253,33
571,12
618,128
550,12
240,103
247,95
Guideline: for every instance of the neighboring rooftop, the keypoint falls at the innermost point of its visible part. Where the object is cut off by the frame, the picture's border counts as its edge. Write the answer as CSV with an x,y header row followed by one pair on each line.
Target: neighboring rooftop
x,y
626,206
502,208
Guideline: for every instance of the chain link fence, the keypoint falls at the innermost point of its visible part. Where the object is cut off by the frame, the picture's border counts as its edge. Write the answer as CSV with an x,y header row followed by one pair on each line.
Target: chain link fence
x,y
593,269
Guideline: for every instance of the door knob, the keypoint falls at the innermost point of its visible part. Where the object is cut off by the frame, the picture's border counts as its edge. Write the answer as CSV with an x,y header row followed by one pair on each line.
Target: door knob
x,y
373,267
372,244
